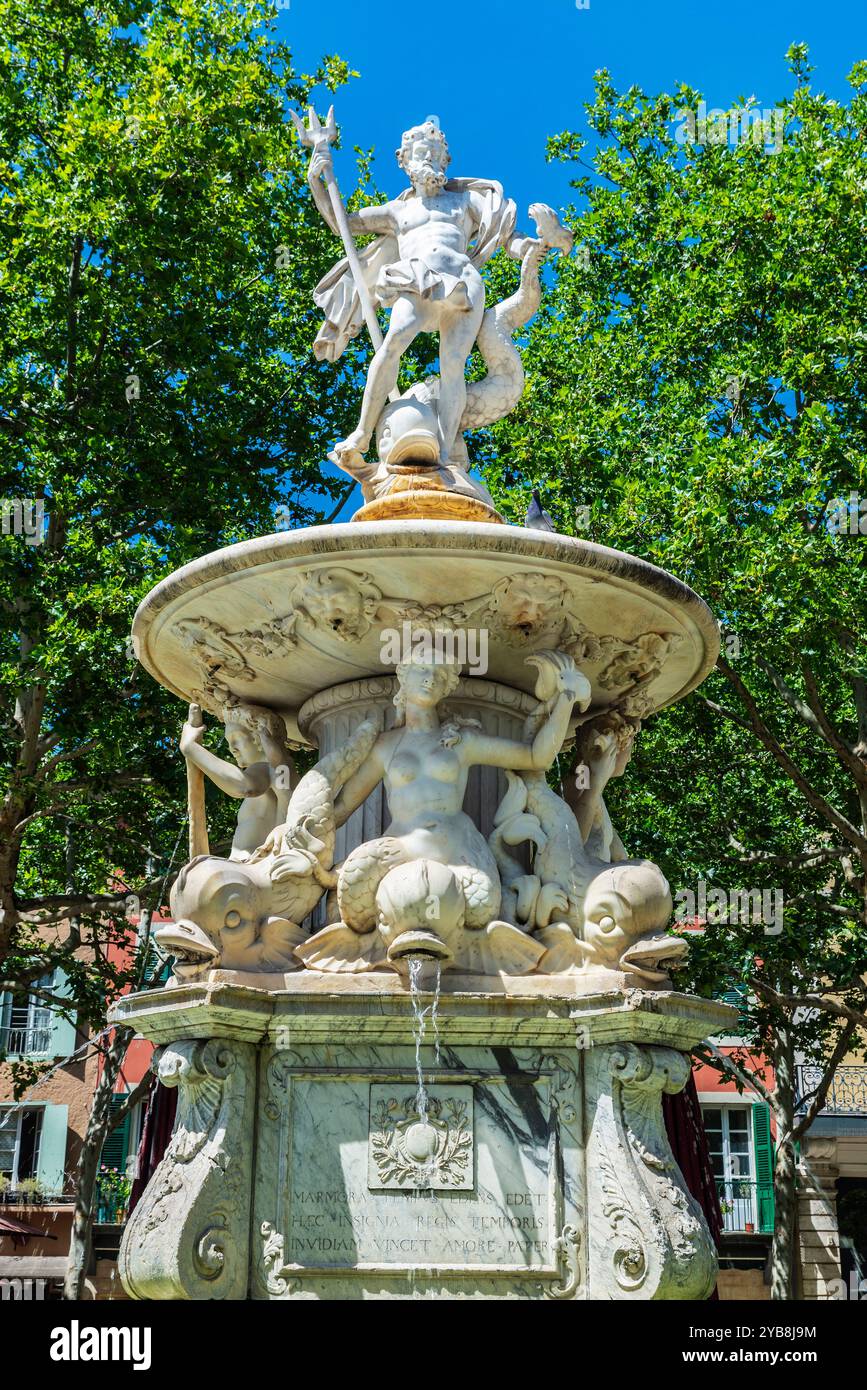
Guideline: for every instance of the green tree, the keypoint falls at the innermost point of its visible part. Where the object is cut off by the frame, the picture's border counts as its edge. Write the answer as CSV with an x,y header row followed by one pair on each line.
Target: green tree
x,y
158,398
697,380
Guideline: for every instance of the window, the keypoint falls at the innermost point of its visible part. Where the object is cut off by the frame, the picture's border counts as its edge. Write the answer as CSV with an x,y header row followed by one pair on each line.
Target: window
x,y
25,1025
115,1149
739,1141
20,1134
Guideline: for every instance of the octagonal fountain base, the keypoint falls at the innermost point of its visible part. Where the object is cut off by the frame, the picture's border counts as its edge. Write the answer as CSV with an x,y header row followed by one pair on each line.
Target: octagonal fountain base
x,y
306,1164
451,1087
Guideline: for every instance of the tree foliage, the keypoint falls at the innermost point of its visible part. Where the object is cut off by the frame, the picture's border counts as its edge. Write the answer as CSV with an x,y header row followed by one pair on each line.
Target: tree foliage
x,y
696,381
158,393
696,378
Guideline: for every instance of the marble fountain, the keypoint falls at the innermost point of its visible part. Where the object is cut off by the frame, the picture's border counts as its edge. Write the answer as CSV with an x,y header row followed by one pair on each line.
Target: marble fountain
x,y
421,1016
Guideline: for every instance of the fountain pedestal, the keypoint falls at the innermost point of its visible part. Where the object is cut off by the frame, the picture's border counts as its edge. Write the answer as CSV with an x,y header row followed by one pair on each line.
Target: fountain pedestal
x,y
300,1168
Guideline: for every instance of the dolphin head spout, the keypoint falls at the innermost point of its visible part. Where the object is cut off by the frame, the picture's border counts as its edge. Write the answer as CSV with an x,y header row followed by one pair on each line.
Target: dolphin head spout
x,y
626,910
217,905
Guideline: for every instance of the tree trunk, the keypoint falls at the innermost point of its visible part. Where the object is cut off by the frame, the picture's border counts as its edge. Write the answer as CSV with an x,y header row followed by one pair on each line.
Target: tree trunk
x,y
783,1244
88,1162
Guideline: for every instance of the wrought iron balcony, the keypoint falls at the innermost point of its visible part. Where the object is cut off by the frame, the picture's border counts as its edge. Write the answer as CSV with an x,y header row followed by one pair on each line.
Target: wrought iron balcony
x,y
847,1094
22,1042
747,1206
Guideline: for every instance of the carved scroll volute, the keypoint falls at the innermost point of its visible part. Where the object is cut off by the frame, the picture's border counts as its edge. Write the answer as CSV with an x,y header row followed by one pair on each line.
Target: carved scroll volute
x,y
188,1238
648,1238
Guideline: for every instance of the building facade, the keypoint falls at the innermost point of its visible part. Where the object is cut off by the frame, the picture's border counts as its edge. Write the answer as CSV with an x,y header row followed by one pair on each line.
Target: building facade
x,y
41,1134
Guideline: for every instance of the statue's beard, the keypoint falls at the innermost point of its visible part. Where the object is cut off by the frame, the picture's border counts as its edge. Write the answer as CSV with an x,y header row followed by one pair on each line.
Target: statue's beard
x,y
426,178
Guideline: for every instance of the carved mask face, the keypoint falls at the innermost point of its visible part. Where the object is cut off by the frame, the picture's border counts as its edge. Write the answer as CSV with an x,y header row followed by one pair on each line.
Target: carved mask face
x,y
333,602
527,607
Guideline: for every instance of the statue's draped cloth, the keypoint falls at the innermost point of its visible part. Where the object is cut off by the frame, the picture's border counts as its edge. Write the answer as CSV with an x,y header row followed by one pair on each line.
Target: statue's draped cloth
x,y
387,276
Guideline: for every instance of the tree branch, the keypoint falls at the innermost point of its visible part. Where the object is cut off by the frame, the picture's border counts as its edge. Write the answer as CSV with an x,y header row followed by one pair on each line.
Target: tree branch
x,y
789,766
131,1100
847,756
726,713
67,904
810,1000
746,1078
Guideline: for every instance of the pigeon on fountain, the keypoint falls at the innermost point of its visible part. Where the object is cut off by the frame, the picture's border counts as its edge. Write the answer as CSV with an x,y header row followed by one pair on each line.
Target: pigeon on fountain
x,y
537,519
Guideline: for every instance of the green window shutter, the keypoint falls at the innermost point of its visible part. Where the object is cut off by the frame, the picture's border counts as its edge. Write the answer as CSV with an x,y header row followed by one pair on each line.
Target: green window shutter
x,y
63,1030
52,1148
734,996
764,1154
115,1150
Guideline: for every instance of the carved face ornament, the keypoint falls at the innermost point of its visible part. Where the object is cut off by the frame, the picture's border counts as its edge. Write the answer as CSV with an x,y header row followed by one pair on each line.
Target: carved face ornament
x,y
527,607
344,603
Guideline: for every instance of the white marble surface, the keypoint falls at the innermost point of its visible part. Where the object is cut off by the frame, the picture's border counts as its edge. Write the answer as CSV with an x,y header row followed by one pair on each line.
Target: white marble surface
x,y
344,1235
537,1011
568,1190
430,244
278,619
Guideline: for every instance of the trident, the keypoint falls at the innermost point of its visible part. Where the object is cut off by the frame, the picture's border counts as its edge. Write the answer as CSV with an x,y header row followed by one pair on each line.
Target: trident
x,y
319,137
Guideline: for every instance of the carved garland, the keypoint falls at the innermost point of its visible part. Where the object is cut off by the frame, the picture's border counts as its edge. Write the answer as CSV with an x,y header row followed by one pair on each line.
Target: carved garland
x,y
524,610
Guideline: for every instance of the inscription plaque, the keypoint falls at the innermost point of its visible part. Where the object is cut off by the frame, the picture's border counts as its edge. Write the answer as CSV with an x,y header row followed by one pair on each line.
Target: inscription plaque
x,y
502,1211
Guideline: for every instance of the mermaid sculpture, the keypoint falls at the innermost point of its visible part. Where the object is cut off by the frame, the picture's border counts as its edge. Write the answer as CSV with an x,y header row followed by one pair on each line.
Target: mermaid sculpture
x,y
430,884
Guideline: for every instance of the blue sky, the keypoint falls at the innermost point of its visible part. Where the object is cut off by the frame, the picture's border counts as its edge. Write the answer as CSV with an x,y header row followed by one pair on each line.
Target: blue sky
x,y
503,76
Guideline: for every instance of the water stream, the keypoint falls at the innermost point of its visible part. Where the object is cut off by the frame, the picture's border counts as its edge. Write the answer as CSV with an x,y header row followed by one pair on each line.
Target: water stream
x,y
420,1013
416,964
422,1138
434,1013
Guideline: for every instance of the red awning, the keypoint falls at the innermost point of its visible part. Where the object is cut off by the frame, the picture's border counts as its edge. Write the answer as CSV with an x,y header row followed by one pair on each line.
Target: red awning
x,y
21,1232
